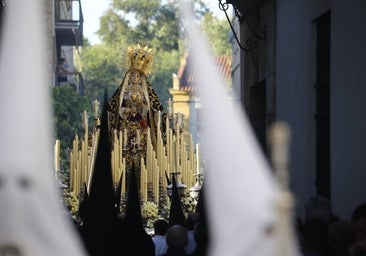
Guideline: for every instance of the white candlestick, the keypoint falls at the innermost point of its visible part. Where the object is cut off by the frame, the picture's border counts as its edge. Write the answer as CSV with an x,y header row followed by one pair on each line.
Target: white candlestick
x,y
198,158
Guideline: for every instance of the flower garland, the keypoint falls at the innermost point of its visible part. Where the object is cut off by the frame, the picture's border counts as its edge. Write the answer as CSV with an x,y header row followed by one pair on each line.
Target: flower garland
x,y
72,204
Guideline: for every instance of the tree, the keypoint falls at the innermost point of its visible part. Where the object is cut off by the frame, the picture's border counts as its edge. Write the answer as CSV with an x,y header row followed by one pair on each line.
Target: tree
x,y
113,27
166,26
102,67
217,33
166,63
67,106
143,13
154,22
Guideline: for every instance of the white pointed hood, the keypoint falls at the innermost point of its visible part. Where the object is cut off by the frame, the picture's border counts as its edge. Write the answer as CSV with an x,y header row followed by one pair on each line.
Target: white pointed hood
x,y
32,218
241,191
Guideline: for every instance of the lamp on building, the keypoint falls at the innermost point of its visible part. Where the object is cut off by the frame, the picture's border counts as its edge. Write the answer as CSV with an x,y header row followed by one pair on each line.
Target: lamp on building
x,y
96,109
239,13
180,186
235,3
179,120
68,153
169,105
194,191
175,119
224,7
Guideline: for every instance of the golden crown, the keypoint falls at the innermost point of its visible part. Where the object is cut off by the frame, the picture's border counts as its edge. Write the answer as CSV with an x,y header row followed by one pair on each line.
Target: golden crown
x,y
139,57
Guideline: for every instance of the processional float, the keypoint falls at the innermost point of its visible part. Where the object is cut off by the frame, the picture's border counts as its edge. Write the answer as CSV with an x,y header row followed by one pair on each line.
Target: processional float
x,y
176,155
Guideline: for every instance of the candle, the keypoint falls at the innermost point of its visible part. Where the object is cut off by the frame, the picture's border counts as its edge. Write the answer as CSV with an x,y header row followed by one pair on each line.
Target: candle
x,y
157,186
142,181
85,119
124,176
174,152
171,150
158,120
138,136
167,126
120,144
170,107
125,138
198,158
96,108
56,156
177,149
180,119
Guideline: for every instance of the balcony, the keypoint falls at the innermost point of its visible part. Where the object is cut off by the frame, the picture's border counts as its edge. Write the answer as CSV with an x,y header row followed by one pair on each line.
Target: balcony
x,y
244,6
68,22
72,78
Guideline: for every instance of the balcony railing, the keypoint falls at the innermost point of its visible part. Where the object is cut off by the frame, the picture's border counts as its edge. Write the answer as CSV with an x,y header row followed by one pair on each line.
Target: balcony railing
x,y
69,22
70,78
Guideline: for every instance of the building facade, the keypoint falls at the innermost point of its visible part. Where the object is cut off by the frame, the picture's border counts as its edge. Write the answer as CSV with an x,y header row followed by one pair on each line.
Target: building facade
x,y
67,37
303,62
184,92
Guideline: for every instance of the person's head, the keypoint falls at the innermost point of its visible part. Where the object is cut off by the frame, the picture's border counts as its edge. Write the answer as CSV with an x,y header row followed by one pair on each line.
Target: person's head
x,y
341,237
135,76
200,234
160,227
62,60
192,220
177,237
318,207
359,222
315,232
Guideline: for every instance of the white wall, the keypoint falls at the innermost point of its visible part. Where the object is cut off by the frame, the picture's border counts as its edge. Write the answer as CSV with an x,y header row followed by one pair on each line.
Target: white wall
x,y
295,76
295,93
348,103
295,62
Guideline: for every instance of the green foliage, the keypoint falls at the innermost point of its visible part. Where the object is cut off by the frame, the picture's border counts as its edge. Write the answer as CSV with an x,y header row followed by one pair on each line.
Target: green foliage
x,y
217,33
67,105
166,63
113,27
166,29
102,69
154,22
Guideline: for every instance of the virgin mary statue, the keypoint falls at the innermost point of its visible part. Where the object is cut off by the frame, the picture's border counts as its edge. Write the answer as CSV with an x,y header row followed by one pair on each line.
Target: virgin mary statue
x,y
134,107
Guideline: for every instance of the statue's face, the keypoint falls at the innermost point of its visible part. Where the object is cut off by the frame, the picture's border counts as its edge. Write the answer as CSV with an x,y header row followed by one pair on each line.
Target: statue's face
x,y
135,77
134,110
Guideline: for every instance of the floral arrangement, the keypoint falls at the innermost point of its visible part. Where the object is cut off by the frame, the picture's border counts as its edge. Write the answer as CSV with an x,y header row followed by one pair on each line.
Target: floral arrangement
x,y
150,213
72,203
188,204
